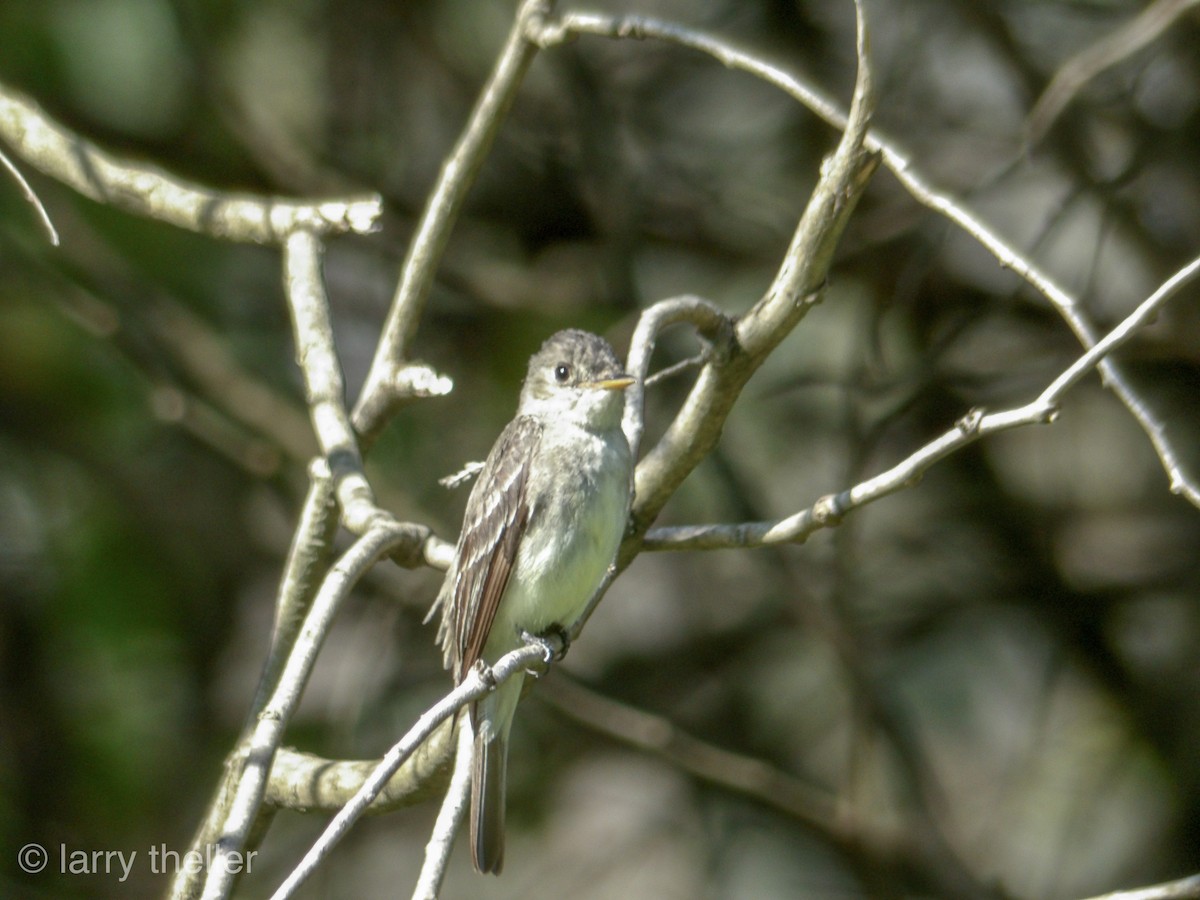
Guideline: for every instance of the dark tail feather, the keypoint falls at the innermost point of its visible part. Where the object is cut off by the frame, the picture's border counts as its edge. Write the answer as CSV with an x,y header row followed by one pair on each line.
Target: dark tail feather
x,y
487,804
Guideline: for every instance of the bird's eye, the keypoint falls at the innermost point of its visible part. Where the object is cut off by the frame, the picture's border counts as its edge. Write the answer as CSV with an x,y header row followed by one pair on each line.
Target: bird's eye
x,y
562,372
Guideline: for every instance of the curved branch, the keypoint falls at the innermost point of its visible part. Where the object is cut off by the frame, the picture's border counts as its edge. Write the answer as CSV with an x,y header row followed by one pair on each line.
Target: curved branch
x,y
709,320
740,346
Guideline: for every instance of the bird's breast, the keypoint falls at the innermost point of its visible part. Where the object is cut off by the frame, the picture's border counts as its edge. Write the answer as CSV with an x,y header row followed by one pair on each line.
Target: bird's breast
x,y
576,523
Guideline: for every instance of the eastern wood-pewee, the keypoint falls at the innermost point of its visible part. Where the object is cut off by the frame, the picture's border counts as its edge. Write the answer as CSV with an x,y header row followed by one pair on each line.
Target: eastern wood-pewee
x,y
542,525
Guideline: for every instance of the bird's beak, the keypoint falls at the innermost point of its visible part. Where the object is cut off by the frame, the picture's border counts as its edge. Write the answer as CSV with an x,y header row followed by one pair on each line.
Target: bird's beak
x,y
616,383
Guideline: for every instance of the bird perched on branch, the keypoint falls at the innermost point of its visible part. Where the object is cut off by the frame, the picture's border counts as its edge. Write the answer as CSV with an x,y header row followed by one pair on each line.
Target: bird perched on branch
x,y
542,526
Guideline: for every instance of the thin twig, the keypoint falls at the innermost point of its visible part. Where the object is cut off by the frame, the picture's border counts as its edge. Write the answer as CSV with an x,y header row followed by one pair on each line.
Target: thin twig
x,y
269,728
437,220
830,509
307,560
464,475
31,198
678,368
479,681
1105,53
454,806
1126,329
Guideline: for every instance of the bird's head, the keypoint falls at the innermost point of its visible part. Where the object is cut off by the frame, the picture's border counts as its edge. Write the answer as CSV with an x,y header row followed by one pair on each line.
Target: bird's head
x,y
576,376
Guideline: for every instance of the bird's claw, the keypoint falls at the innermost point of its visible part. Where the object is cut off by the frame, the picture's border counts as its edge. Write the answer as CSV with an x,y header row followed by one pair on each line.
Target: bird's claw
x,y
550,652
485,673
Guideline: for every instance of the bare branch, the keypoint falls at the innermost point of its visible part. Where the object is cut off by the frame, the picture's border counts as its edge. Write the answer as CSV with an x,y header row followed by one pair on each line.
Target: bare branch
x,y
574,23
454,806
267,734
830,509
463,476
145,190
239,800
479,681
308,558
1130,325
734,356
304,781
323,385
1105,53
437,219
325,392
1068,307
810,254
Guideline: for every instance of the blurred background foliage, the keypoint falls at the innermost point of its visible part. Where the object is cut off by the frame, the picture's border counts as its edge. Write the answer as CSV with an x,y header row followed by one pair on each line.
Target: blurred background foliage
x,y
999,663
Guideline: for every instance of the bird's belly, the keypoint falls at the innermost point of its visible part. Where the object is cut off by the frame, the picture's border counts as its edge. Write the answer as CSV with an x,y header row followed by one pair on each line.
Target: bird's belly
x,y
563,556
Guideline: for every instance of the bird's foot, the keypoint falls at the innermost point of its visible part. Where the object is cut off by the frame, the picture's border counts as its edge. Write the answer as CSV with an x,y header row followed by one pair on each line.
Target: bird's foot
x,y
554,642
484,671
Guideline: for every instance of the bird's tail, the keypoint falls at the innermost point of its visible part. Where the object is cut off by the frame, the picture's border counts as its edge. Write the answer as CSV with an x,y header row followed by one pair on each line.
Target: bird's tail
x,y
487,800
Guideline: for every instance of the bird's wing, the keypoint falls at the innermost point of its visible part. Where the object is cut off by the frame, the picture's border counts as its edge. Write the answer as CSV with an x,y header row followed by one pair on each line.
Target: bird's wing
x,y
494,523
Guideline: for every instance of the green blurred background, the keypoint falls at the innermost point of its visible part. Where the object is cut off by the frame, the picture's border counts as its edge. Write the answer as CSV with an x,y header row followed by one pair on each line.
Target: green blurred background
x,y
1000,662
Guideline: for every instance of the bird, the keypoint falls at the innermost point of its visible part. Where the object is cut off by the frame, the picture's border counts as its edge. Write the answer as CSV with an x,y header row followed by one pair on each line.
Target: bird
x,y
542,526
